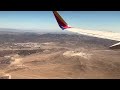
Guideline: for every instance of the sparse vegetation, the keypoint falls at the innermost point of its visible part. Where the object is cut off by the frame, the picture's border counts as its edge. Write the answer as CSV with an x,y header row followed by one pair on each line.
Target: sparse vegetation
x,y
50,56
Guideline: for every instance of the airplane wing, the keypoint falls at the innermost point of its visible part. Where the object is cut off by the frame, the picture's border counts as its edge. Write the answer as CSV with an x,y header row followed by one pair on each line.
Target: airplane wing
x,y
99,34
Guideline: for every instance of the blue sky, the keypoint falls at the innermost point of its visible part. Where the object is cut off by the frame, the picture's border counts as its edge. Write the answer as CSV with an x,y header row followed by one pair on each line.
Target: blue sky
x,y
45,21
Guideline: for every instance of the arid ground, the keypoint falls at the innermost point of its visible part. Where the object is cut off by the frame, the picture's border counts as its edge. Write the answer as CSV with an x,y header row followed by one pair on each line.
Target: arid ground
x,y
57,56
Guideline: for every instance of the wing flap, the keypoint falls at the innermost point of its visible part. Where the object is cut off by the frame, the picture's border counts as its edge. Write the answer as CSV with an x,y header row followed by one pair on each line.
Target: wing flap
x,y
115,46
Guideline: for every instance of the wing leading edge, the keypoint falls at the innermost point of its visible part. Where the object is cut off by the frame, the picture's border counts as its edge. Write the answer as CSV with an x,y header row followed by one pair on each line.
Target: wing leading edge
x,y
99,34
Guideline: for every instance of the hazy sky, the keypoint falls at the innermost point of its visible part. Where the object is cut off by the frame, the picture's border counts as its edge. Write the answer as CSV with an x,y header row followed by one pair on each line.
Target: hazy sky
x,y
45,21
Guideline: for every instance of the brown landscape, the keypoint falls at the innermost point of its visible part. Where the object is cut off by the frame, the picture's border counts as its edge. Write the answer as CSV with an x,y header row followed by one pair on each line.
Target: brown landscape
x,y
57,56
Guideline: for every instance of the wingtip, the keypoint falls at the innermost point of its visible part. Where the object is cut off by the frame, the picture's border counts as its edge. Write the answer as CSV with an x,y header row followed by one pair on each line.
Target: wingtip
x,y
61,22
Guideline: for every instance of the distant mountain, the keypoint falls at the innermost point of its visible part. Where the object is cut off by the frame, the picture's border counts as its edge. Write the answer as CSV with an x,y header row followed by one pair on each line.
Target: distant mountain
x,y
18,31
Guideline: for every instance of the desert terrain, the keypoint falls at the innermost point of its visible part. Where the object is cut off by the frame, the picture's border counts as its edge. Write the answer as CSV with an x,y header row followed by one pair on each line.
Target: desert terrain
x,y
57,56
